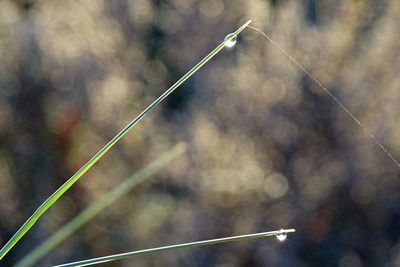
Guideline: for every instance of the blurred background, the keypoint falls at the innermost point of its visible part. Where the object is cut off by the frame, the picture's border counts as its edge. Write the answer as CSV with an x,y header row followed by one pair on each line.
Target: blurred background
x,y
266,147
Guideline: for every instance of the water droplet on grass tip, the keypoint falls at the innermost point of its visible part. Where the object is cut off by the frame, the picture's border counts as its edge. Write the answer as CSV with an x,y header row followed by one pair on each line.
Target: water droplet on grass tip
x,y
230,40
281,235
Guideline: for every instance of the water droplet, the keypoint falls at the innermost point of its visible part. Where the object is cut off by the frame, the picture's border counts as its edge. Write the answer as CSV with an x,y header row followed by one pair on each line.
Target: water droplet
x,y
281,235
232,40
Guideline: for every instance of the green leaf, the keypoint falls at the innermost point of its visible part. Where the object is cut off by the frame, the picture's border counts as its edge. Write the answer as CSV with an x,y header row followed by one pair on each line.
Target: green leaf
x,y
183,245
100,204
60,191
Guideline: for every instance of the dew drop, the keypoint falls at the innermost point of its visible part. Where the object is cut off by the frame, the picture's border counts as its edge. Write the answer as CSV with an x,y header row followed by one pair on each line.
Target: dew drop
x,y
230,41
281,235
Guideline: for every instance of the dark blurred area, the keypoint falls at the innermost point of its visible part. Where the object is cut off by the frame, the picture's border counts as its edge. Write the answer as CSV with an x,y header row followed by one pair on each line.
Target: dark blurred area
x,y
267,148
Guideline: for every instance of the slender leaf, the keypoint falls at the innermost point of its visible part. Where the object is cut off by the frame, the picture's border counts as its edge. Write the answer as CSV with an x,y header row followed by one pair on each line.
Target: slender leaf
x,y
183,245
60,191
100,204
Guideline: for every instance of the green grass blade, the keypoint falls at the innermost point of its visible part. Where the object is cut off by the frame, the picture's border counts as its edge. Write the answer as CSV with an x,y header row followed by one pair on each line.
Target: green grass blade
x,y
60,191
183,245
105,201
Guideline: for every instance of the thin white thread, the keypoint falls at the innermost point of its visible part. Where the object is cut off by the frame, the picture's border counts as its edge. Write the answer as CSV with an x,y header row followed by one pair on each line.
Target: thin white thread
x,y
384,149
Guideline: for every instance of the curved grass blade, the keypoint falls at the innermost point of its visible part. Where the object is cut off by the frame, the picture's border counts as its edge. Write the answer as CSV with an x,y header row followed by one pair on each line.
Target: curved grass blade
x,y
60,191
183,245
100,204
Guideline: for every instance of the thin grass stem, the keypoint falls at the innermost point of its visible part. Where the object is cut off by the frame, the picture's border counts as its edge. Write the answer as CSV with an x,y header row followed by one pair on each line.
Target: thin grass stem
x,y
60,191
183,245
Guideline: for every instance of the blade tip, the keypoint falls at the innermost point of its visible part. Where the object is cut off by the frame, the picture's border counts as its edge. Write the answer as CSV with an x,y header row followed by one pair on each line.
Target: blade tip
x,y
248,22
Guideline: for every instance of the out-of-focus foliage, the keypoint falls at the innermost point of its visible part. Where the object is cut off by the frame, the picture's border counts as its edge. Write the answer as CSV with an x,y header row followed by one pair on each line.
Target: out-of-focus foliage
x,y
267,147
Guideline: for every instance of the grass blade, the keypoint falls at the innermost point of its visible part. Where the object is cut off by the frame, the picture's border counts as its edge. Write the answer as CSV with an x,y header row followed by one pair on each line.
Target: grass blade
x,y
60,191
183,245
105,201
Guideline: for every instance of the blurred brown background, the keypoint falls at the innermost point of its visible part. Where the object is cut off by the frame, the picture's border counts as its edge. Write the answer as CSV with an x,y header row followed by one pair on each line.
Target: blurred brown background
x,y
267,148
